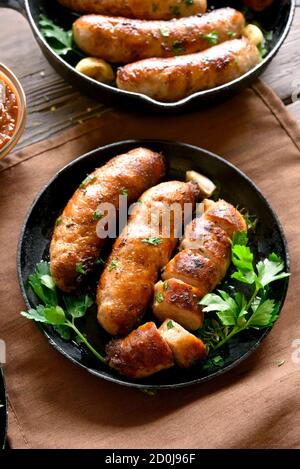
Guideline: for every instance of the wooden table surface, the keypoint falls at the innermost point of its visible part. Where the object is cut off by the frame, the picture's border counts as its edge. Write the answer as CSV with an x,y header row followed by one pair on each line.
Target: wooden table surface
x,y
54,105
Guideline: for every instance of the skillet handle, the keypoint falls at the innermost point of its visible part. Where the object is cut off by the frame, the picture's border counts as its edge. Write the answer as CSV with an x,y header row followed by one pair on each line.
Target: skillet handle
x,y
17,5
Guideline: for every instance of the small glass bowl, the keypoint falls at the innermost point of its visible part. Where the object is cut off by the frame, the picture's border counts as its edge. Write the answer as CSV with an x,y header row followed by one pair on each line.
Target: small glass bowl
x,y
8,77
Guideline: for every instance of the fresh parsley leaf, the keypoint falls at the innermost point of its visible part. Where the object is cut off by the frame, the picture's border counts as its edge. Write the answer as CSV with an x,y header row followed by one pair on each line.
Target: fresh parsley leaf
x,y
35,314
48,282
80,268
189,2
270,269
165,286
170,325
263,315
113,265
43,285
212,38
61,41
242,258
54,315
240,237
77,306
153,241
64,331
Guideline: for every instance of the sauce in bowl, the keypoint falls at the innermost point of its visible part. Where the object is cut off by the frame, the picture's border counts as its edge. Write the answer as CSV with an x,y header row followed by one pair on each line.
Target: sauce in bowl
x,y
12,110
8,113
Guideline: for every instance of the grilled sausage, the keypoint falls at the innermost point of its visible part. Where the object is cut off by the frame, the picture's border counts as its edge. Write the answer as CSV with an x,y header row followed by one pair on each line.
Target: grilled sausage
x,y
121,40
126,285
75,246
174,78
142,353
185,346
199,266
178,300
142,9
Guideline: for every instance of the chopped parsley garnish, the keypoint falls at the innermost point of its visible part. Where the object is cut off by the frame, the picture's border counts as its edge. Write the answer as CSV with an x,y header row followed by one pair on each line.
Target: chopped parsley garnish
x,y
86,180
214,361
159,297
80,268
175,10
212,38
189,2
100,261
177,47
113,265
124,192
170,325
165,286
58,221
231,34
154,241
97,215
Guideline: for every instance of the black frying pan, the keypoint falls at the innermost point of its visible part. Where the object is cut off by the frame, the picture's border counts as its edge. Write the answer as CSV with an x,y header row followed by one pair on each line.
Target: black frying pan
x,y
235,187
276,19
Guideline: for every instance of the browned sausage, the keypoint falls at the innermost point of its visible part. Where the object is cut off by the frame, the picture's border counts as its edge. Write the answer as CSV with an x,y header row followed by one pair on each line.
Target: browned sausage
x,y
75,246
185,346
142,9
126,285
199,266
142,353
122,40
174,78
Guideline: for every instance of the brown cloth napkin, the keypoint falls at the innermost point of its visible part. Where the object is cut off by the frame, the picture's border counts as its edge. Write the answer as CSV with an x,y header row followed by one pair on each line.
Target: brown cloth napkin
x,y
54,404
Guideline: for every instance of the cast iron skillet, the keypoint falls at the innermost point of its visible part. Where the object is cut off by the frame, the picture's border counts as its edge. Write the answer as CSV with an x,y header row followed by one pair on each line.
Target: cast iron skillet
x,y
276,19
3,411
234,187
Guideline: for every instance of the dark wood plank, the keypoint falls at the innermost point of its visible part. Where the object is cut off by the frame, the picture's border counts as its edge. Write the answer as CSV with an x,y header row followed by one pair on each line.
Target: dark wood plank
x,y
53,105
283,73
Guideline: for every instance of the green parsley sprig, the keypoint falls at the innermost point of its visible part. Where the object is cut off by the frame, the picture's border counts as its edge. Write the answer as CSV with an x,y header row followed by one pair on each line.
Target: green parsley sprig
x,y
59,39
62,319
237,312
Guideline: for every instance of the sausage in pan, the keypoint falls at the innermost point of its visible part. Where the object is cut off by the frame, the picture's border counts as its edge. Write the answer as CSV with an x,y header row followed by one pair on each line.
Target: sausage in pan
x,y
123,40
126,285
75,245
142,9
174,78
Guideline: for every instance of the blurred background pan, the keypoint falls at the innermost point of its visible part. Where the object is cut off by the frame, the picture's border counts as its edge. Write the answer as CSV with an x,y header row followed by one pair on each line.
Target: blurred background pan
x,y
276,20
